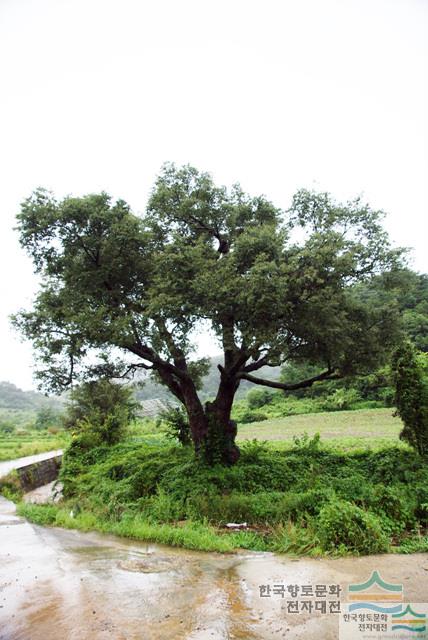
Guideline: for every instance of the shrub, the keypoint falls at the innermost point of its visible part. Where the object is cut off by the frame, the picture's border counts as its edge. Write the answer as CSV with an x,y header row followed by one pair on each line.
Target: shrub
x,y
10,486
177,425
395,506
257,398
340,400
262,508
53,430
411,383
387,396
303,499
6,427
342,525
390,466
421,494
100,411
46,417
304,441
252,416
375,386
353,488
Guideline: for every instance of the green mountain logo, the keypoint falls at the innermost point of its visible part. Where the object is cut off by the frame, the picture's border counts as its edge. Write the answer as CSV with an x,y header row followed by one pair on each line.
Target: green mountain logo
x,y
365,595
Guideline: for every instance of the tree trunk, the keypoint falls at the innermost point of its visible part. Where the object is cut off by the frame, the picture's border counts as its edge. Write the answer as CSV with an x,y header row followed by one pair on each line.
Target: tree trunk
x,y
219,445
198,422
212,431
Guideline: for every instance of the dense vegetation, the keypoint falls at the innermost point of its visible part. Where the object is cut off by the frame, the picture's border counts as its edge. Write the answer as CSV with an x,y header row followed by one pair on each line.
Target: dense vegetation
x,y
297,494
25,415
303,499
411,382
412,301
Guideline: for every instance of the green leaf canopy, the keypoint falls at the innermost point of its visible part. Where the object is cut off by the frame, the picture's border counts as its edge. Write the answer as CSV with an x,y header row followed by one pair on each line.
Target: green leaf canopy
x,y
121,291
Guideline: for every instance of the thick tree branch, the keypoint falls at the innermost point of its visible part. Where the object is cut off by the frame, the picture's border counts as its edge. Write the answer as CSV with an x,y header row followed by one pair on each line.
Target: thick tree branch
x,y
133,367
329,374
172,384
146,353
223,243
254,366
175,351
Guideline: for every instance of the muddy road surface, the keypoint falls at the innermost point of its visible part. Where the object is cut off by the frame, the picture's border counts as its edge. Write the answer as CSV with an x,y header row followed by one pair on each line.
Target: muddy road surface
x,y
68,585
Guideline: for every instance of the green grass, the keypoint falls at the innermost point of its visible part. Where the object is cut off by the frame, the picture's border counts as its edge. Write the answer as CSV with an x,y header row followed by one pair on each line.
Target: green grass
x,y
344,430
374,428
191,535
16,446
188,535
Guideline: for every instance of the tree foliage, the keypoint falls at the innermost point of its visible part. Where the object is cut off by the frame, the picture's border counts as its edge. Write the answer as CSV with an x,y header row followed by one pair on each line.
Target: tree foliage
x,y
414,303
410,291
177,425
47,417
100,410
123,292
411,381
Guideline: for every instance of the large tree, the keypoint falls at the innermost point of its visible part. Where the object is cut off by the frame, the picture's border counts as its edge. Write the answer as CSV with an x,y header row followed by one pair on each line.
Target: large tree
x,y
122,292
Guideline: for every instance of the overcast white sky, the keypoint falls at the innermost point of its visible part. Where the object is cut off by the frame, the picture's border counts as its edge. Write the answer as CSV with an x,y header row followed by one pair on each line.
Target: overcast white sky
x,y
276,94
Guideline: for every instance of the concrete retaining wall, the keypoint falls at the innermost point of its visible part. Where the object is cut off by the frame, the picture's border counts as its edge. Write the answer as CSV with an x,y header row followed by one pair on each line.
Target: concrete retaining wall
x,y
39,473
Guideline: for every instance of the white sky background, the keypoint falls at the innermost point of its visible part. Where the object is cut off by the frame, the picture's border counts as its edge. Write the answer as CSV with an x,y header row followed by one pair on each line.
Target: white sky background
x,y
275,94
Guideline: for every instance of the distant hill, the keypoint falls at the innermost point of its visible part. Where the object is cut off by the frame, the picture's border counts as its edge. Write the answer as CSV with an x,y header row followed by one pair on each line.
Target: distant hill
x,y
152,390
12,397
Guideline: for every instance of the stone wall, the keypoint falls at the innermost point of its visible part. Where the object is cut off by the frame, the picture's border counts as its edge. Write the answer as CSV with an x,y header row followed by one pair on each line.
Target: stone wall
x,y
39,473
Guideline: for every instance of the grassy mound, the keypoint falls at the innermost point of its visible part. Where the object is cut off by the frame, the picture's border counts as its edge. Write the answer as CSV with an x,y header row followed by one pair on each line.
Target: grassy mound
x,y
305,499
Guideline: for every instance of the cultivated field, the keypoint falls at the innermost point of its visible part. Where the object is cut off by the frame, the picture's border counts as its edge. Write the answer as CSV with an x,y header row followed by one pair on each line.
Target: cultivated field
x,y
347,430
14,446
372,428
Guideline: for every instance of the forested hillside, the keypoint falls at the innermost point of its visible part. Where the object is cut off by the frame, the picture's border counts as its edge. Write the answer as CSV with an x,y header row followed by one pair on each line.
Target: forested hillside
x,y
12,397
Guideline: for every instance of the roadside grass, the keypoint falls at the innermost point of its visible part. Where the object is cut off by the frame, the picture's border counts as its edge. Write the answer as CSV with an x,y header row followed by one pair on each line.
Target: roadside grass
x,y
287,538
188,535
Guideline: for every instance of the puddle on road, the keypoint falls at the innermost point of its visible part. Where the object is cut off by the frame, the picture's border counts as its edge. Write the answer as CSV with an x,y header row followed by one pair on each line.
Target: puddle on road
x,y
67,584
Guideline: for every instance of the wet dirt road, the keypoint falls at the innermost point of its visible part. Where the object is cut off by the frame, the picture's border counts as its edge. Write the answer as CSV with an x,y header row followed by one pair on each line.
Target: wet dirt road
x,y
67,585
